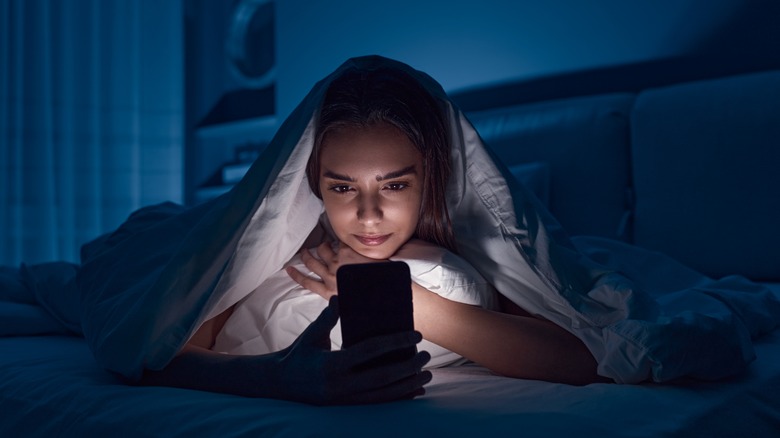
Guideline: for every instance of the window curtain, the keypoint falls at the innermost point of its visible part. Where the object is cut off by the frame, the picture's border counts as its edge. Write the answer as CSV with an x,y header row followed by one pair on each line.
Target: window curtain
x,y
91,119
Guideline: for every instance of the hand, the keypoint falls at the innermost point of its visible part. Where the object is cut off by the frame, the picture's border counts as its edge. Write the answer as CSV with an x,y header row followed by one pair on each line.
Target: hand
x,y
306,371
311,373
325,268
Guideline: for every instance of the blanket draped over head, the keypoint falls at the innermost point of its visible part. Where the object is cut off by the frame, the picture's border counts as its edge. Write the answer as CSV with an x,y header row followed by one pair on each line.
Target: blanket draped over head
x,y
147,287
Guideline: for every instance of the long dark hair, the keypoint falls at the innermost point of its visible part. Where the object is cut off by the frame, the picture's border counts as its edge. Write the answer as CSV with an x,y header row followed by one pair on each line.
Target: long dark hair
x,y
361,98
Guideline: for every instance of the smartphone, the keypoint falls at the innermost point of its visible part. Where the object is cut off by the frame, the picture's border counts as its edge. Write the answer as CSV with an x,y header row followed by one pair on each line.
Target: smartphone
x,y
375,299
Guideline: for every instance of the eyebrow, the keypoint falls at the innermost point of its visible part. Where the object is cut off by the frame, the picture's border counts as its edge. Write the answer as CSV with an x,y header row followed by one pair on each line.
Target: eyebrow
x,y
410,170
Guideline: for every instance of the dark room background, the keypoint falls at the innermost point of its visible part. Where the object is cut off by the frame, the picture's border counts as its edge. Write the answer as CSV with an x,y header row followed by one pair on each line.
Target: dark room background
x,y
110,105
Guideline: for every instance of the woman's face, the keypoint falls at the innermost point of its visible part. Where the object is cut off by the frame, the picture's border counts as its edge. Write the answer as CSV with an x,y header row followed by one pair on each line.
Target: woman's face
x,y
371,184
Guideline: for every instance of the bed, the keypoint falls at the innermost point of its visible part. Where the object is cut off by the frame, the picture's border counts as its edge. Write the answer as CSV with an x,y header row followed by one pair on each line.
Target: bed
x,y
51,384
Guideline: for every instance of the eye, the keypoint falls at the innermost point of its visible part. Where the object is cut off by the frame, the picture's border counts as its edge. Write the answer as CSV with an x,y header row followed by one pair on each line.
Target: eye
x,y
396,186
339,188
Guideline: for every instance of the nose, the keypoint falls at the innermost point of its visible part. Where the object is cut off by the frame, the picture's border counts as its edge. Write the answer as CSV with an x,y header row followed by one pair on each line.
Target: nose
x,y
369,209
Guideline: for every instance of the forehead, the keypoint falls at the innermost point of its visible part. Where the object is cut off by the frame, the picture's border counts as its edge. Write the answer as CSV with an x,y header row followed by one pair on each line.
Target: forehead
x,y
377,147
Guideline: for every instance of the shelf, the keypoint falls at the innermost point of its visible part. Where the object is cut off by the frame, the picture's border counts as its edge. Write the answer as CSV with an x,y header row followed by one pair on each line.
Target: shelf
x,y
262,127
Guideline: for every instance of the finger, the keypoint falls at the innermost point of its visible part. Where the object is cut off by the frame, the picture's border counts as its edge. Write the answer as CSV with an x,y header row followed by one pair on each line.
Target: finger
x,y
354,361
321,327
325,251
307,282
405,389
388,373
321,288
379,345
295,274
318,267
328,279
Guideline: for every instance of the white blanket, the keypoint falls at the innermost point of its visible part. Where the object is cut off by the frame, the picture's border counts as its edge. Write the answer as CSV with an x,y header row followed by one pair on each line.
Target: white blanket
x,y
146,289
272,316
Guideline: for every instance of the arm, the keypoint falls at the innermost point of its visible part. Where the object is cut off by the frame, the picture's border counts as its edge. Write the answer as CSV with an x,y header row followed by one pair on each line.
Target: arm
x,y
513,344
307,371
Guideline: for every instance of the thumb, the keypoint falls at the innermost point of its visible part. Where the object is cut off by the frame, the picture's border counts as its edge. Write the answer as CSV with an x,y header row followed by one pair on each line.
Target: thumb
x,y
318,331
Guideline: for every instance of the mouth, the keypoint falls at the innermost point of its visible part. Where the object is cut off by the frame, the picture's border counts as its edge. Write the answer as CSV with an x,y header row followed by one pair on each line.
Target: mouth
x,y
373,239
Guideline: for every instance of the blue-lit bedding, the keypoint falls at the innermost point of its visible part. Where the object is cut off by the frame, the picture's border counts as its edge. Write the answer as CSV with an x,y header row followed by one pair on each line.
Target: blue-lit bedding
x,y
145,288
51,386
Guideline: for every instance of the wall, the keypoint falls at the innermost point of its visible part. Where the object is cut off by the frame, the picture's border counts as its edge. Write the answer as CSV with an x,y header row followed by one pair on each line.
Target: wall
x,y
465,43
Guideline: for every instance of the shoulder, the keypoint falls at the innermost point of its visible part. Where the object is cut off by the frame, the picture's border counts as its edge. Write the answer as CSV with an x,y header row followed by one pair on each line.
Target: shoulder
x,y
445,273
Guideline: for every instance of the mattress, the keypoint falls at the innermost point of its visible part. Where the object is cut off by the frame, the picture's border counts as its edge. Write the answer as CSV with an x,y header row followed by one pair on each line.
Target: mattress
x,y
52,386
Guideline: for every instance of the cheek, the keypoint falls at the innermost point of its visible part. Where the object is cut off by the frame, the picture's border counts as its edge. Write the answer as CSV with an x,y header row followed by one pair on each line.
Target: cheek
x,y
338,213
408,211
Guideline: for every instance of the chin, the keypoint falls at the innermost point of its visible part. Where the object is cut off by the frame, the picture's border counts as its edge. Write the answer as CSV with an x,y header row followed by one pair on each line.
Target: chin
x,y
376,253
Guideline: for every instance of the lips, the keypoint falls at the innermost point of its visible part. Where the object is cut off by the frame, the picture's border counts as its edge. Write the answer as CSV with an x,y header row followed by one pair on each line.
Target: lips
x,y
372,240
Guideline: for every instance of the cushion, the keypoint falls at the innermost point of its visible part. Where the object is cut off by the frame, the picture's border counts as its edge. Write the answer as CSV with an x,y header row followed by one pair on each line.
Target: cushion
x,y
536,177
706,174
26,295
584,141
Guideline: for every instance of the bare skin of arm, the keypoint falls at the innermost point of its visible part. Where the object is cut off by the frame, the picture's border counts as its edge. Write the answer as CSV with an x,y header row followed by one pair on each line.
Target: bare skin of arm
x,y
207,333
306,371
514,345
511,343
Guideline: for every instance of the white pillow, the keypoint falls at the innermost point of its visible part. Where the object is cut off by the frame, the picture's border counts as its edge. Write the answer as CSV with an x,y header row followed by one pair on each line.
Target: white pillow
x,y
276,313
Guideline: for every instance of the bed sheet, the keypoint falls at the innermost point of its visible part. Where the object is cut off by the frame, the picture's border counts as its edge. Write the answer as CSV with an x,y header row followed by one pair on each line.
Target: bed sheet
x,y
51,386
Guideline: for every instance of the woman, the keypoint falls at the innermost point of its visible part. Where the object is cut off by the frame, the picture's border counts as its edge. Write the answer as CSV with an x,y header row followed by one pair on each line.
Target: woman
x,y
380,164
360,111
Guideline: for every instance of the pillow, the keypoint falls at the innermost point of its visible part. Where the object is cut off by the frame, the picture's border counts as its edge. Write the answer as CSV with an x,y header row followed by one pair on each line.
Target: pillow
x,y
26,297
706,174
535,176
272,316
54,286
585,143
12,287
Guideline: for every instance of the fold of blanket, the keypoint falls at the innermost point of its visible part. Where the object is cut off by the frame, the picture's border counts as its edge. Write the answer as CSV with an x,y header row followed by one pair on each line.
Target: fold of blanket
x,y
39,299
144,289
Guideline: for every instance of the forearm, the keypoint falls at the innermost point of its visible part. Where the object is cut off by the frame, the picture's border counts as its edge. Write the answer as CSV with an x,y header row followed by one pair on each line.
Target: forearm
x,y
511,345
306,371
198,368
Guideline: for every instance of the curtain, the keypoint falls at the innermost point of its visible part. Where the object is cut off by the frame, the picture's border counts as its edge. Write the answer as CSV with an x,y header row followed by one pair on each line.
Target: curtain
x,y
91,119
